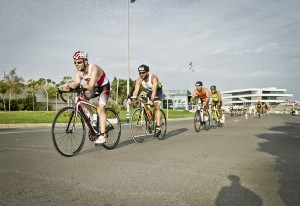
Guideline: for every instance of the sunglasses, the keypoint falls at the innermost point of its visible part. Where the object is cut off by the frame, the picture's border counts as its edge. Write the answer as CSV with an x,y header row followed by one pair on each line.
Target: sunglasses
x,y
142,72
78,62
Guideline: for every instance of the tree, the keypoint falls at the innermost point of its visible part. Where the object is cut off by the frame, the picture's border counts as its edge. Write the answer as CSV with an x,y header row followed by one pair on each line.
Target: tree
x,y
65,80
46,85
14,83
32,89
122,90
3,89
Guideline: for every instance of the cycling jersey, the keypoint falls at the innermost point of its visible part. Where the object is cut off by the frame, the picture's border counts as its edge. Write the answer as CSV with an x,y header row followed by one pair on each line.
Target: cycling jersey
x,y
103,87
103,80
201,95
258,105
148,85
215,97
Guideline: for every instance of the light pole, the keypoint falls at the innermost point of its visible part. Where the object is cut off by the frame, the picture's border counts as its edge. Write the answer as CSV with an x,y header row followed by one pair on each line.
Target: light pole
x,y
128,59
192,70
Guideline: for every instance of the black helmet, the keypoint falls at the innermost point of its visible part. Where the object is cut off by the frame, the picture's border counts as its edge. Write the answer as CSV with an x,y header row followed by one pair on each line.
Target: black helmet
x,y
213,87
143,67
199,83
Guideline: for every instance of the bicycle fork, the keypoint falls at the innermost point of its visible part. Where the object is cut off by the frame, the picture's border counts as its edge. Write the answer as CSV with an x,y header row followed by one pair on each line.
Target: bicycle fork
x,y
70,124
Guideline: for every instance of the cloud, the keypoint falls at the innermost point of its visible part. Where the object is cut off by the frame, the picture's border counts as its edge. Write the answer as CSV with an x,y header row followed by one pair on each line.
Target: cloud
x,y
224,40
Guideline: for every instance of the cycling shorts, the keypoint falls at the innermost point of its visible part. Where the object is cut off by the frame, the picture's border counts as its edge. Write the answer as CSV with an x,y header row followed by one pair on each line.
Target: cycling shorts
x,y
159,95
216,103
102,92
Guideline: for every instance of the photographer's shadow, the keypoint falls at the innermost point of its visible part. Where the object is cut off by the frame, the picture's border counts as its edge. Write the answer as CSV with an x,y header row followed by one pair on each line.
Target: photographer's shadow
x,y
236,194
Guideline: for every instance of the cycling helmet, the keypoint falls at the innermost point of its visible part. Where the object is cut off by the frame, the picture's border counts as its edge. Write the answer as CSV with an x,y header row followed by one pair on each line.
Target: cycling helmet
x,y
213,87
143,67
199,83
80,55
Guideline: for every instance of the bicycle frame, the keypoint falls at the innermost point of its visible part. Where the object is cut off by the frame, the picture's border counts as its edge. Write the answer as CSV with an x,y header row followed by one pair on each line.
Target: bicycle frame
x,y
144,113
200,107
215,113
78,107
77,104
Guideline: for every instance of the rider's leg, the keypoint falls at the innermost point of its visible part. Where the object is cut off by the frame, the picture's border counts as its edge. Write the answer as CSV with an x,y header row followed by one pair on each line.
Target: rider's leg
x,y
102,116
87,96
157,112
206,105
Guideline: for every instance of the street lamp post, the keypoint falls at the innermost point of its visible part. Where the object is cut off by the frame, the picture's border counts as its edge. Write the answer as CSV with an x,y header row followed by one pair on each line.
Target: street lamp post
x,y
128,59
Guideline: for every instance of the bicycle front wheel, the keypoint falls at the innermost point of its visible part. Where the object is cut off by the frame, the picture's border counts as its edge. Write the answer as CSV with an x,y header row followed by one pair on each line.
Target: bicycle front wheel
x,y
163,126
112,129
138,125
207,121
214,119
68,136
197,121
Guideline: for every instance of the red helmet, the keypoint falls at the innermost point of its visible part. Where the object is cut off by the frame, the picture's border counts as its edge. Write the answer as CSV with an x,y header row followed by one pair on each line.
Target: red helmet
x,y
80,55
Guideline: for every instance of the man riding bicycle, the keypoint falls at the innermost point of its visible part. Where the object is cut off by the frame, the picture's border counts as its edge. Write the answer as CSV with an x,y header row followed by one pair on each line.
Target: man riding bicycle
x,y
216,99
259,107
154,92
203,95
94,77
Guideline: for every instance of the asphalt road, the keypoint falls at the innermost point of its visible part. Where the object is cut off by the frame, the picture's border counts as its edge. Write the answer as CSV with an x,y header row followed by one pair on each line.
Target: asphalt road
x,y
247,162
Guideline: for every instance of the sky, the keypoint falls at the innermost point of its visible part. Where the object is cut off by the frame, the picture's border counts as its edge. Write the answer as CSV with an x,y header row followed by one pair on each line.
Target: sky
x,y
233,44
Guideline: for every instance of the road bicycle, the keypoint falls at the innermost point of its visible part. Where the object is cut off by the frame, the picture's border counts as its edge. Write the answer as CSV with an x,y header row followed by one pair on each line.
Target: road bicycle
x,y
143,122
69,125
215,117
201,120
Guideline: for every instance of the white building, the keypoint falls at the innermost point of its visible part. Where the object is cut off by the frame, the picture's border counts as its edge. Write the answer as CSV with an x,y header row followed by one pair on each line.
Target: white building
x,y
247,97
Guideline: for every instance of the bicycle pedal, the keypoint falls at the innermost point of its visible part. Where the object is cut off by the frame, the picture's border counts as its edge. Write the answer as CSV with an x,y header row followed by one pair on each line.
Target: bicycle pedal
x,y
157,133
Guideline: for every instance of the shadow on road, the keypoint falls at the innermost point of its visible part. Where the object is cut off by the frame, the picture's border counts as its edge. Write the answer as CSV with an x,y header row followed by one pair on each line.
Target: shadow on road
x,y
285,146
175,132
236,194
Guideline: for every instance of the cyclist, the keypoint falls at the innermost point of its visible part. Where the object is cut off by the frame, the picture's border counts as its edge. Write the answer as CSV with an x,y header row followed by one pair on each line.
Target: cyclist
x,y
216,99
259,107
153,90
203,94
266,108
94,76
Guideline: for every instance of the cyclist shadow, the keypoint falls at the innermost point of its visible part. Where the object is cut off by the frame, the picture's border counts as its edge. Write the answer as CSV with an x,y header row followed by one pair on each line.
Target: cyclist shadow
x,y
175,132
125,143
97,148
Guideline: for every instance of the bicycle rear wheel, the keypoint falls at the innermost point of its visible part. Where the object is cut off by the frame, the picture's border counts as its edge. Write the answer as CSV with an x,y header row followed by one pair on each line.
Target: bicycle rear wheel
x,y
138,125
163,126
112,129
68,137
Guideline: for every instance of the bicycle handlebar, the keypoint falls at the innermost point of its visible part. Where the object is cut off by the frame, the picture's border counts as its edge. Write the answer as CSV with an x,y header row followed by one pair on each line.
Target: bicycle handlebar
x,y
77,90
143,98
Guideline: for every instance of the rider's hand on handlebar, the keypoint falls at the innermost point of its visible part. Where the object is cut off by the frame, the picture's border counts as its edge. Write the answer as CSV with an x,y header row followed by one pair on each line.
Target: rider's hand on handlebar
x,y
73,85
150,102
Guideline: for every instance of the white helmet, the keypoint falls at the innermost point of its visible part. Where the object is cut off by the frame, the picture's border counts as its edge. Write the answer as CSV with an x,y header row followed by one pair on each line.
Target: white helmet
x,y
80,55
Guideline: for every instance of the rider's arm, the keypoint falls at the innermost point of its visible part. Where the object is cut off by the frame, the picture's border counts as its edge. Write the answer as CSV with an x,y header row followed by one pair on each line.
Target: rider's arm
x,y
219,97
154,87
193,96
77,81
137,87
